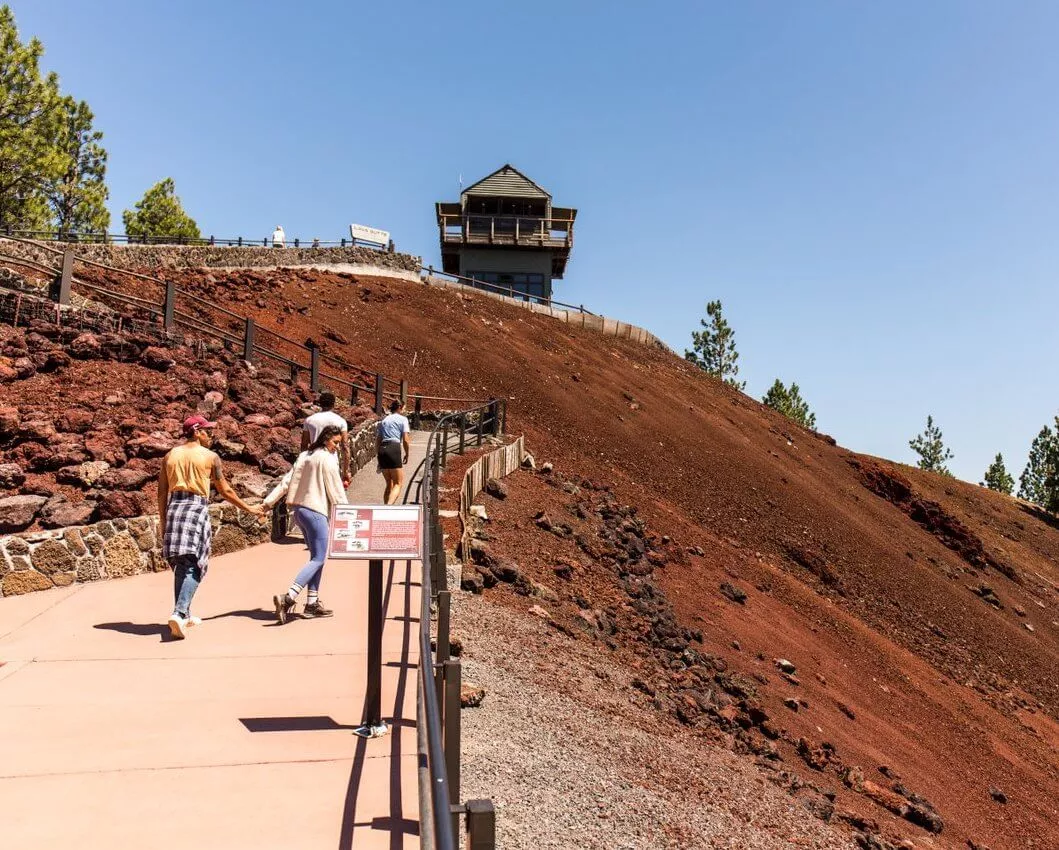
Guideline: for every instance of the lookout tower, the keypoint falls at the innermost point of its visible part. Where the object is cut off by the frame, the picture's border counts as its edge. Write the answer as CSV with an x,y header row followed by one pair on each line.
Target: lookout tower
x,y
505,231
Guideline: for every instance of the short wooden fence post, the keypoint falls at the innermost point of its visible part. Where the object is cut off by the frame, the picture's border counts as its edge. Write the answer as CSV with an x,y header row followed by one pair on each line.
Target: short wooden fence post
x,y
248,341
380,402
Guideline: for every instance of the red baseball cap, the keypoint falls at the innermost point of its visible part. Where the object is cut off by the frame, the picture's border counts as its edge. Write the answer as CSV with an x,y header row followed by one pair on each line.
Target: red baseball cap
x,y
197,423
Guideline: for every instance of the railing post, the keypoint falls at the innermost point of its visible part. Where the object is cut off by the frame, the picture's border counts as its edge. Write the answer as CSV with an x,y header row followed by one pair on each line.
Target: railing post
x,y
445,446
417,414
380,402
503,416
481,825
404,391
494,417
240,241
444,651
481,426
463,433
248,341
314,368
61,293
354,397
169,305
453,683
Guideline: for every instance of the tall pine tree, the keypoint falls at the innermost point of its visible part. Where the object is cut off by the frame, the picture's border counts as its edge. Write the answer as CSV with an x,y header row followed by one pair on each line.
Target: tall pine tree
x,y
998,478
1032,486
713,348
931,449
28,155
1051,473
78,194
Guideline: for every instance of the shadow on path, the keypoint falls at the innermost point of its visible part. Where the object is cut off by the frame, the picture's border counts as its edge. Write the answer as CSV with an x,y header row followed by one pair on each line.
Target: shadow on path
x,y
159,630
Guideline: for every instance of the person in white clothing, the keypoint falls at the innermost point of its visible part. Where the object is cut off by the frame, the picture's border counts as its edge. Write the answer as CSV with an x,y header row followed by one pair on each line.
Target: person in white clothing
x,y
279,238
392,444
312,487
314,424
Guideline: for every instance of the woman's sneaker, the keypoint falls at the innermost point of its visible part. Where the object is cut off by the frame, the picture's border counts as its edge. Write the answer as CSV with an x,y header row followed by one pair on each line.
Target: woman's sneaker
x,y
284,605
315,609
176,627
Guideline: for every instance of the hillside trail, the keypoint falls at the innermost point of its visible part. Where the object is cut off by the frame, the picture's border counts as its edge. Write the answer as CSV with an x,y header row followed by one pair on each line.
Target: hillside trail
x,y
239,736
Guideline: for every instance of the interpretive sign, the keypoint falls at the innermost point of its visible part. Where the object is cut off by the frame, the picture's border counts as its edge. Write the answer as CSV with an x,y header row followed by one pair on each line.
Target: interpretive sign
x,y
369,234
365,532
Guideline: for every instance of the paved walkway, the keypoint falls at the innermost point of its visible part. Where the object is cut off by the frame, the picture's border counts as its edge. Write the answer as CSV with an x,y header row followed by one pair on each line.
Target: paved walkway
x,y
113,736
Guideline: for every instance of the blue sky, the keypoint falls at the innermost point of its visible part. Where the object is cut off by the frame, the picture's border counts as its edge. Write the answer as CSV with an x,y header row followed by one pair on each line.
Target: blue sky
x,y
870,189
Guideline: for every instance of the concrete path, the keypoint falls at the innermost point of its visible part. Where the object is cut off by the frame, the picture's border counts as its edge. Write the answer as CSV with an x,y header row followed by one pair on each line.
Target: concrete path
x,y
113,736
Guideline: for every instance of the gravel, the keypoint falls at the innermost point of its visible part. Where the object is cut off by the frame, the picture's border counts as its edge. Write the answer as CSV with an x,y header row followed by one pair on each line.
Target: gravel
x,y
570,760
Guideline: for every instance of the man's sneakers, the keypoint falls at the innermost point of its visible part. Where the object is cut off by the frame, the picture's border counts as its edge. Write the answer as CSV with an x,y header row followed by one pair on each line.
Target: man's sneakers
x,y
176,627
284,606
316,609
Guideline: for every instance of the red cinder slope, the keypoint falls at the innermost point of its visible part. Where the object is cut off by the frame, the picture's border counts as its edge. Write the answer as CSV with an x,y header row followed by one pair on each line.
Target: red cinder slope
x,y
881,583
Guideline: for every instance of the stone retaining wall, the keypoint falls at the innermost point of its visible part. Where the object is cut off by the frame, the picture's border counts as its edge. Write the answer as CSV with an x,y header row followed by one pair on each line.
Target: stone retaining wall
x,y
496,464
124,547
160,257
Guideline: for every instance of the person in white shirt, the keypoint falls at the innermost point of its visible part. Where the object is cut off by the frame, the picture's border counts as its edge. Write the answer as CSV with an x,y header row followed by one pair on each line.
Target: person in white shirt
x,y
312,487
314,424
279,238
392,443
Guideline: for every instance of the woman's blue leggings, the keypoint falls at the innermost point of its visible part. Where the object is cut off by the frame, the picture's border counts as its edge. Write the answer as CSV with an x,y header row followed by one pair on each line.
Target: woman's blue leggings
x,y
314,527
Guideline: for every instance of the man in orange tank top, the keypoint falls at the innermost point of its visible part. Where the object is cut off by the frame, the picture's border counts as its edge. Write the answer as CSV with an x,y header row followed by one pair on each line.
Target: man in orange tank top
x,y
184,483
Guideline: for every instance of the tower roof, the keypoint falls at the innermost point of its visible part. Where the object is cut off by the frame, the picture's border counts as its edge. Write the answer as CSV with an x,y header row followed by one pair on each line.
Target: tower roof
x,y
506,182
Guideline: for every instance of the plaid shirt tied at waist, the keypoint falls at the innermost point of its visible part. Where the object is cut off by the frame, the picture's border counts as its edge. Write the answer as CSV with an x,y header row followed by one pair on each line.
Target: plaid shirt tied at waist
x,y
187,528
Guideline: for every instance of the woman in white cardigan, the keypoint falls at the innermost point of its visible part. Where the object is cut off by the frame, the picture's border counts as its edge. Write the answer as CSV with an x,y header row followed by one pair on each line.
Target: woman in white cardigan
x,y
312,486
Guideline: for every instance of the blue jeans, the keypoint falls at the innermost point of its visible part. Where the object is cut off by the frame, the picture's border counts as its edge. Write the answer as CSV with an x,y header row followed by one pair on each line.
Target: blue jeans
x,y
314,527
187,575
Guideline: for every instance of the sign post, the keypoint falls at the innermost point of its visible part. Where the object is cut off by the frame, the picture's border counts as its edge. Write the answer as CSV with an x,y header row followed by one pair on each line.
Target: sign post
x,y
375,533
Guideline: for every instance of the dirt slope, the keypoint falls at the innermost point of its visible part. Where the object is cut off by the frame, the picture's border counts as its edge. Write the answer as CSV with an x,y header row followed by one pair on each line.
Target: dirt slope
x,y
902,596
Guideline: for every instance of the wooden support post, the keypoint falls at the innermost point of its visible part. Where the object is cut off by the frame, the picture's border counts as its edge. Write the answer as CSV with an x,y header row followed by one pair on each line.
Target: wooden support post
x,y
417,414
169,306
445,446
380,402
481,426
404,391
248,341
314,368
481,825
354,395
65,283
463,432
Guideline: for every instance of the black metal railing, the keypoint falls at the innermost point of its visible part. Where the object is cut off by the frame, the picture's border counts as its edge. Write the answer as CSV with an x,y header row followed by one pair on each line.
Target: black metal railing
x,y
507,290
105,238
440,674
171,307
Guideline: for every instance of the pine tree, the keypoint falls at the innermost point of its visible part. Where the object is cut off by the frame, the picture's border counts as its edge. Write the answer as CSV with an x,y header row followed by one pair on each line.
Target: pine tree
x,y
998,478
713,348
1032,480
160,213
931,449
790,403
1051,473
78,195
28,103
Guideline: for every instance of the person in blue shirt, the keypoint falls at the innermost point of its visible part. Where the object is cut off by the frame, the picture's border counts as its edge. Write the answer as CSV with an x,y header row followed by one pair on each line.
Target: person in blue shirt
x,y
392,443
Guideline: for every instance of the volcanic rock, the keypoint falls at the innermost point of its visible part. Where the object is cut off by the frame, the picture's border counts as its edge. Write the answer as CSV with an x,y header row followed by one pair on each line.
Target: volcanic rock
x,y
734,593
18,512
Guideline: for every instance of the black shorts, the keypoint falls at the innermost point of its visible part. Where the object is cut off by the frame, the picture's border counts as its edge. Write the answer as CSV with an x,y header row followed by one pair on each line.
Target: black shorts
x,y
390,455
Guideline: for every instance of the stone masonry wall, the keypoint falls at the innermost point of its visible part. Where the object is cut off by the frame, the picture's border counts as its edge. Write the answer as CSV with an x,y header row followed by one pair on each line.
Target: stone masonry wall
x,y
160,257
125,547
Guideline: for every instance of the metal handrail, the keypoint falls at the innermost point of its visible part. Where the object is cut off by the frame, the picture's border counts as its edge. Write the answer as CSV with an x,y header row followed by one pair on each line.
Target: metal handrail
x,y
427,496
105,238
507,291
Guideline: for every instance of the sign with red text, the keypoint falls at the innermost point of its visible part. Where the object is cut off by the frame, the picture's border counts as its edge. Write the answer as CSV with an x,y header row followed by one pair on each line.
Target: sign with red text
x,y
367,532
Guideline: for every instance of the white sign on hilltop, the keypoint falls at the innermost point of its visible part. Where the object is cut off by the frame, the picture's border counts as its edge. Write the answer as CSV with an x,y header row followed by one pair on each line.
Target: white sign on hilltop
x,y
369,234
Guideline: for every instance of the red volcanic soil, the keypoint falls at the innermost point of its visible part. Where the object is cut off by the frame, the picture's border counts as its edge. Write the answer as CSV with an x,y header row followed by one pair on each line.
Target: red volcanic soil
x,y
907,598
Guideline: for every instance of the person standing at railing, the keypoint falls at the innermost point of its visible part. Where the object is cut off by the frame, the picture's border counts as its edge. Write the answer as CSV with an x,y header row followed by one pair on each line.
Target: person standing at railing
x,y
392,444
279,238
313,486
325,417
183,514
